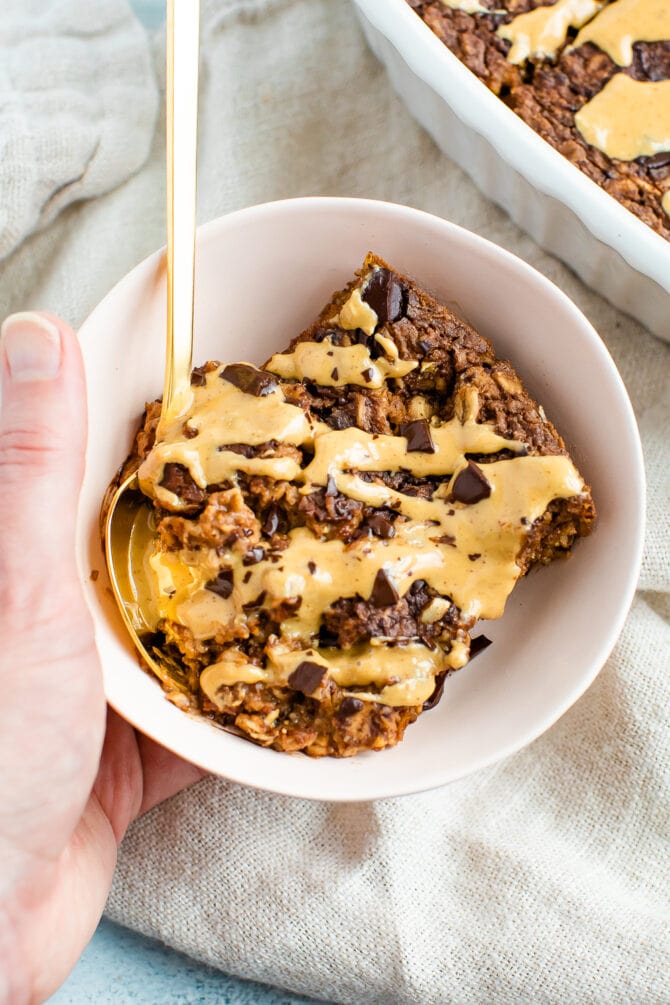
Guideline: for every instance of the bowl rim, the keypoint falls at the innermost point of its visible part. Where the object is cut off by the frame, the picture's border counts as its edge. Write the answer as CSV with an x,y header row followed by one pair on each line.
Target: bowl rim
x,y
515,142
234,770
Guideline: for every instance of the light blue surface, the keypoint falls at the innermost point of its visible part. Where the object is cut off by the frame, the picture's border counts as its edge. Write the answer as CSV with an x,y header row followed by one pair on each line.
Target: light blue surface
x,y
119,966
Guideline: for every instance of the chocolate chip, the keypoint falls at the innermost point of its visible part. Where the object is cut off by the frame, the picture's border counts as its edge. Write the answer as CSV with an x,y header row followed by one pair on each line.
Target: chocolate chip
x,y
380,525
198,376
249,379
367,374
222,584
384,593
307,677
190,432
271,522
475,555
246,577
424,345
470,485
334,374
253,556
312,567
385,295
349,706
446,539
331,486
478,645
418,436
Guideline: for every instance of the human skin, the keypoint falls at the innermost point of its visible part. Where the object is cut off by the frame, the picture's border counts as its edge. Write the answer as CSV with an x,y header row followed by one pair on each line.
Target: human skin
x,y
74,775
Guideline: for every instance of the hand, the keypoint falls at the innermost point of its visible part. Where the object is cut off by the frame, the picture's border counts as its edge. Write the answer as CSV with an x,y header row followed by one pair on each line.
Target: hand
x,y
73,776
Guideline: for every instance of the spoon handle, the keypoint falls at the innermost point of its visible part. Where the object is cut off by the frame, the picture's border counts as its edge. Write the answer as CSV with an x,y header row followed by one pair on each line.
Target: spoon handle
x,y
183,25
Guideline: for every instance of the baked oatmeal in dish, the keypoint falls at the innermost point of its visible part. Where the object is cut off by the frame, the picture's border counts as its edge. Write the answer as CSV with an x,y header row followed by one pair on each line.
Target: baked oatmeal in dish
x,y
329,527
592,77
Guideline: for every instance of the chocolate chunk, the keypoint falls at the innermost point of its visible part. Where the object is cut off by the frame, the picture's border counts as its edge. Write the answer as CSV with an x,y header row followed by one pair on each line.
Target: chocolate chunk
x,y
327,638
319,334
198,376
475,555
246,577
446,539
367,374
470,485
243,449
253,556
331,486
271,522
478,645
222,584
349,706
307,677
384,593
380,525
658,166
385,295
177,478
249,379
334,374
312,567
418,436
437,693
253,605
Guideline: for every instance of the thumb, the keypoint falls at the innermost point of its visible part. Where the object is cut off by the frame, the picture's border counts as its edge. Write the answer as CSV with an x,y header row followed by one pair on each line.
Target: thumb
x,y
52,714
42,442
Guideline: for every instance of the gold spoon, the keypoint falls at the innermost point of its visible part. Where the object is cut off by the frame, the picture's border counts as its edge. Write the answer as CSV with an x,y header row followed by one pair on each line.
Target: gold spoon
x,y
127,520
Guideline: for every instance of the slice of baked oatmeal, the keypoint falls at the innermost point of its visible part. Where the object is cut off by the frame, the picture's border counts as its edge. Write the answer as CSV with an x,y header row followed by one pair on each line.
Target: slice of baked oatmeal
x,y
330,526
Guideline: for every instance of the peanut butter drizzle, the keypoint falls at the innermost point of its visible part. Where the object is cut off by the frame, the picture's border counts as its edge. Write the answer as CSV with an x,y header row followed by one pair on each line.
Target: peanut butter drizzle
x,y
224,415
539,33
412,668
628,118
619,26
356,313
335,366
465,552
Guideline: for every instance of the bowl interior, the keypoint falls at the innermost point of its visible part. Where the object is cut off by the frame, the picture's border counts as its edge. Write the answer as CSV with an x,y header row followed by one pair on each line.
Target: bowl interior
x,y
262,276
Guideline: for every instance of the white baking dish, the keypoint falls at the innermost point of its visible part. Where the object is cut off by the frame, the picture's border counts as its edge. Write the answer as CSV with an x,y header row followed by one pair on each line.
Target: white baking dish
x,y
562,209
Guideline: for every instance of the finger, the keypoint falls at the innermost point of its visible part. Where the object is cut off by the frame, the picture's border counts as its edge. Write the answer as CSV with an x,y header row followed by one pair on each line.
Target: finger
x,y
136,774
42,442
165,774
52,713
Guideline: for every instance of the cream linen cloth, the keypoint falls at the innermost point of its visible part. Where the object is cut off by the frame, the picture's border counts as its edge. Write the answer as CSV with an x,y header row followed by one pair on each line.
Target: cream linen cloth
x,y
78,105
542,880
